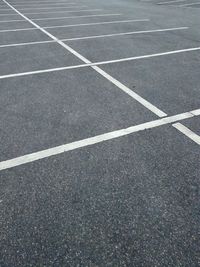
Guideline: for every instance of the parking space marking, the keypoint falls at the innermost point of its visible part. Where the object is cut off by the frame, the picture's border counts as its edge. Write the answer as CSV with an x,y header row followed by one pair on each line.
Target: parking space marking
x,y
95,65
78,25
187,132
68,17
96,36
14,20
170,2
54,12
84,16
28,158
55,8
70,11
125,33
191,4
43,4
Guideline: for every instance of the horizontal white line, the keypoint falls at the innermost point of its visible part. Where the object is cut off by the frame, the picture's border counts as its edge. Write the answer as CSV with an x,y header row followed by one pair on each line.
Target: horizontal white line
x,y
170,2
96,23
13,20
84,16
39,2
55,8
98,63
18,30
7,164
43,4
74,11
96,36
124,33
187,132
68,17
52,12
76,25
191,4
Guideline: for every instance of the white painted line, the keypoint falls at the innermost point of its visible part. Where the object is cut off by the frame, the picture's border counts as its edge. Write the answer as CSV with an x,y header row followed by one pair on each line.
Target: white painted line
x,y
191,4
124,33
55,8
96,36
95,64
74,11
170,2
84,16
14,20
28,43
186,131
196,112
76,25
40,2
68,17
96,23
7,164
44,4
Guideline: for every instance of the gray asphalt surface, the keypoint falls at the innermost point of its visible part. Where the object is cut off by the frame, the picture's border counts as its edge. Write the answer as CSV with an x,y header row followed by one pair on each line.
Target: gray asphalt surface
x,y
132,200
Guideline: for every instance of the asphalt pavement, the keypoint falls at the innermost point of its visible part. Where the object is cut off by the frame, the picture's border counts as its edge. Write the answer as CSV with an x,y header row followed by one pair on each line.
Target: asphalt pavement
x,y
100,133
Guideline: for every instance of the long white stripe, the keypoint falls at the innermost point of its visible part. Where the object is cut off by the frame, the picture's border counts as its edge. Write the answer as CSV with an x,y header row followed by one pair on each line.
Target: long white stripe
x,y
95,64
74,11
45,5
187,132
170,2
7,164
84,16
96,36
55,8
191,4
77,25
68,17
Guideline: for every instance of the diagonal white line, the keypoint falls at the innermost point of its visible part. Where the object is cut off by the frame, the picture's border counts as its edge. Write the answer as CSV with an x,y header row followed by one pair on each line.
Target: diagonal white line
x,y
7,164
187,132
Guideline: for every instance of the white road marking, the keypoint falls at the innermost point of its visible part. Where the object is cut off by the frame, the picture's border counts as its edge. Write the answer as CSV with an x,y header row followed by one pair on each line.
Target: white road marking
x,y
124,33
191,4
14,20
96,36
55,8
95,65
186,131
170,2
77,25
84,16
44,4
96,23
68,17
7,164
74,11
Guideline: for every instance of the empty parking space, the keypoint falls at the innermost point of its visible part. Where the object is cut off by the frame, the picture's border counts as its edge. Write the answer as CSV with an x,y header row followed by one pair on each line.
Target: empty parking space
x,y
54,109
99,130
172,85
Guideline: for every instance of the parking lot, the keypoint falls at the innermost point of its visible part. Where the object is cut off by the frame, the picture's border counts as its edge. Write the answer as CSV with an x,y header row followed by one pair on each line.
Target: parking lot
x,y
100,133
